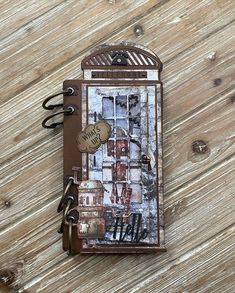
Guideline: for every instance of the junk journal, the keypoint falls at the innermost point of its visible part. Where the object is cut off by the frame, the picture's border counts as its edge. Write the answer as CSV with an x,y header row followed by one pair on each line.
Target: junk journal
x,y
113,183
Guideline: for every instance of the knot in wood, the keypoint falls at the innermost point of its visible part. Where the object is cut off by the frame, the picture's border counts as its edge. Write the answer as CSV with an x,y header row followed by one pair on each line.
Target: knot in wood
x,y
7,277
199,147
217,81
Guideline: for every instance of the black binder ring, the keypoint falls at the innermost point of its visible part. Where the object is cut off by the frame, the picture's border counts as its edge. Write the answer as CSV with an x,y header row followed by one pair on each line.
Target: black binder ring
x,y
69,91
70,201
71,221
67,111
60,206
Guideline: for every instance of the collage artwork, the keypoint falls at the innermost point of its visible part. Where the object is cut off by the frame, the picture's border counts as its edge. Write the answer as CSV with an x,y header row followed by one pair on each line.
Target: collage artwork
x,y
118,201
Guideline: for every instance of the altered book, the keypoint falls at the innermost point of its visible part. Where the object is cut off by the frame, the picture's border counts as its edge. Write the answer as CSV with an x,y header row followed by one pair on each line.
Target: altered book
x,y
113,183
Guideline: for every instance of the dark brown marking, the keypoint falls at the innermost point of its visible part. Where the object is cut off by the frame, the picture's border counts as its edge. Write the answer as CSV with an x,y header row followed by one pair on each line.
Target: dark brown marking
x,y
7,203
7,277
199,147
217,81
232,99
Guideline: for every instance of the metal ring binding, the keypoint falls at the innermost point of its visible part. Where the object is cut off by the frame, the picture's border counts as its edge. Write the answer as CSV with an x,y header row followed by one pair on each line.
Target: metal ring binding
x,y
69,202
70,237
70,182
70,220
69,91
67,111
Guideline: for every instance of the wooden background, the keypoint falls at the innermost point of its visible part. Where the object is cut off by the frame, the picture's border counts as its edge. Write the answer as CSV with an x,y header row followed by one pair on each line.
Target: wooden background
x,y
42,44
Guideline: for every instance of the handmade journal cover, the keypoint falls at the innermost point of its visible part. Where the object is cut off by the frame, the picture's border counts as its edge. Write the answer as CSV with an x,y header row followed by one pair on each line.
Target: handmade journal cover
x,y
113,154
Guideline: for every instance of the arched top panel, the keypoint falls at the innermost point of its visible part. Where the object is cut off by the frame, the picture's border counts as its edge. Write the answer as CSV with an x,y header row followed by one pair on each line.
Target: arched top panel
x,y
121,57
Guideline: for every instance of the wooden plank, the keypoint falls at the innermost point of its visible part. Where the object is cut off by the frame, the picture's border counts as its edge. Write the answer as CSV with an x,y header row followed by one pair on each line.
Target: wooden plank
x,y
214,124
33,187
15,15
87,23
202,269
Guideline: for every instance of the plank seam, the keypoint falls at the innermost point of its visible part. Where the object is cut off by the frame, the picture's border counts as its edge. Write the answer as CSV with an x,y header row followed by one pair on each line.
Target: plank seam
x,y
210,102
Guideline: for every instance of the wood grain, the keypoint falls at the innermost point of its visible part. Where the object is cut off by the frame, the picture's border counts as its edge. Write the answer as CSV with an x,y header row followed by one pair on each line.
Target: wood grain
x,y
42,44
86,25
16,15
